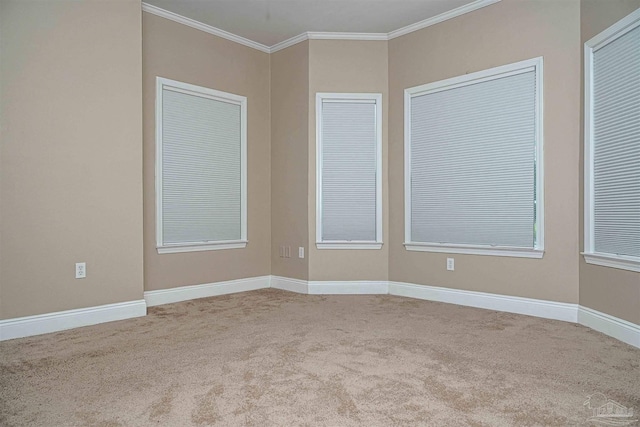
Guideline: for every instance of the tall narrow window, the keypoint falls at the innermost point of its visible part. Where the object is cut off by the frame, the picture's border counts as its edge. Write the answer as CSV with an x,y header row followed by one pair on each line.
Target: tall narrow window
x,y
349,181
200,168
612,146
473,163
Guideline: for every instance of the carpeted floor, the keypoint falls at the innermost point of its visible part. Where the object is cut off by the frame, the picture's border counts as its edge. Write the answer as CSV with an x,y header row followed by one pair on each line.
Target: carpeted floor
x,y
276,358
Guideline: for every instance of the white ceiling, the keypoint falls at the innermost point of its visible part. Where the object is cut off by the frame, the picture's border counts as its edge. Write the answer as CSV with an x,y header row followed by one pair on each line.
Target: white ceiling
x,y
270,22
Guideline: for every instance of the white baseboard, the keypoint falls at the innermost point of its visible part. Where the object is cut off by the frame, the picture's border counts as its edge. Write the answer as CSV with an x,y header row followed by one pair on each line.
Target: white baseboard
x,y
20,327
532,307
52,322
609,325
291,285
354,287
185,293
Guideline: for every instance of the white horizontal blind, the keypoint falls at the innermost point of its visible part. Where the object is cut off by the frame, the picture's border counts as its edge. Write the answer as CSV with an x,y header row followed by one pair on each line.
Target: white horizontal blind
x,y
473,175
349,163
201,169
616,146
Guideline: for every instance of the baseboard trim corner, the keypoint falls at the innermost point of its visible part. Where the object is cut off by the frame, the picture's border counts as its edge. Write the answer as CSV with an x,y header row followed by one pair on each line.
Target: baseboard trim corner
x,y
609,325
186,293
532,307
27,326
352,287
288,284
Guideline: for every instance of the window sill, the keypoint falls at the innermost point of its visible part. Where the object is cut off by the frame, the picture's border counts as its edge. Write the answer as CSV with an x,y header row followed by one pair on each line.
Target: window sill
x,y
476,250
613,261
209,246
349,245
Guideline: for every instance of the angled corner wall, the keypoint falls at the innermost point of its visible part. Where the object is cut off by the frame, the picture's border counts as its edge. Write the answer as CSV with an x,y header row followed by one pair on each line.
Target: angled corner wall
x,y
347,66
608,290
182,53
503,33
289,160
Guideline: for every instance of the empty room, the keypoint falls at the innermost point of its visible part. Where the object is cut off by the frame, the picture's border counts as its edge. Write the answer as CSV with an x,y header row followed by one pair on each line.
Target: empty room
x,y
319,212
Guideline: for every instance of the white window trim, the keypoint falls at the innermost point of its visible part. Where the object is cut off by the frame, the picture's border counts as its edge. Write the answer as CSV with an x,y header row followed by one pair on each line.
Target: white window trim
x,y
475,250
346,244
614,261
161,84
468,79
612,33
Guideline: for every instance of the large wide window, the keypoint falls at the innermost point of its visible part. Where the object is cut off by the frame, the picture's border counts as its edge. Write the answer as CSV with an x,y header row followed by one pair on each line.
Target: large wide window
x,y
200,168
473,163
612,146
349,181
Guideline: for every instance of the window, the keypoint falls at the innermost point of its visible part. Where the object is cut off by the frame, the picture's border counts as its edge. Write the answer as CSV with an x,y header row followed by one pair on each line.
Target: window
x,y
473,163
348,171
201,168
612,146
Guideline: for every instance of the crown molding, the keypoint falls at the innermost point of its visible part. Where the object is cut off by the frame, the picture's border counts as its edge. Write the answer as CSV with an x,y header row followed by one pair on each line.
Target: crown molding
x,y
146,7
289,42
478,4
315,35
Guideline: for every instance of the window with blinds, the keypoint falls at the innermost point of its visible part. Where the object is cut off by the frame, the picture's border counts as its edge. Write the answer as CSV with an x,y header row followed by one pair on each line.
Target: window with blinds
x,y
200,168
348,173
612,146
473,163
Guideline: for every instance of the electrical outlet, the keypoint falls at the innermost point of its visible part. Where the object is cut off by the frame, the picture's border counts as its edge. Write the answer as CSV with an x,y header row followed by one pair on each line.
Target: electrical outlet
x,y
450,264
285,252
81,270
300,252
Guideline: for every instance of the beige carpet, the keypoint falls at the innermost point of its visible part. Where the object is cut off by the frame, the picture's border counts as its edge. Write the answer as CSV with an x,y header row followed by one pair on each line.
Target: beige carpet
x,y
277,358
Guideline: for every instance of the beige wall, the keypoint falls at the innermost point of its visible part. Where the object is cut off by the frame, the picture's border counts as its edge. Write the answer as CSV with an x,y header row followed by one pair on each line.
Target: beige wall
x,y
347,66
182,53
503,33
609,290
74,74
289,153
70,162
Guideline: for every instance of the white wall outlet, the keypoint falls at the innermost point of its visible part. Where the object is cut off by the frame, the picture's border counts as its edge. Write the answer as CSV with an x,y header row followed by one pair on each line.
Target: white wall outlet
x,y
81,270
300,252
450,264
